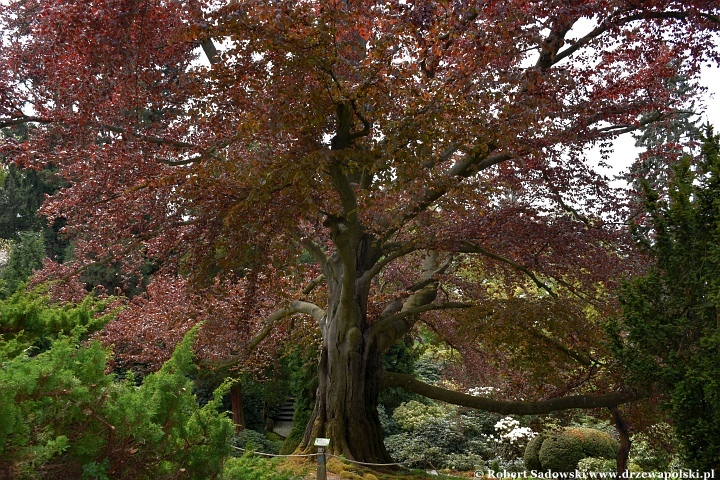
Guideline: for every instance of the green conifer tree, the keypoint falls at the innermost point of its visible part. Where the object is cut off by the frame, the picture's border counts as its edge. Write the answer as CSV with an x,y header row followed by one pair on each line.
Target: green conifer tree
x,y
670,337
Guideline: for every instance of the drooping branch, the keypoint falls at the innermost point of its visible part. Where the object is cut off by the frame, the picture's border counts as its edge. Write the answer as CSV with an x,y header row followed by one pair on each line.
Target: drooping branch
x,y
410,383
469,247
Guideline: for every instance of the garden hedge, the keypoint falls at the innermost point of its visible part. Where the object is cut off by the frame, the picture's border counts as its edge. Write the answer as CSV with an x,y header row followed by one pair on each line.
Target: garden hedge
x,y
561,450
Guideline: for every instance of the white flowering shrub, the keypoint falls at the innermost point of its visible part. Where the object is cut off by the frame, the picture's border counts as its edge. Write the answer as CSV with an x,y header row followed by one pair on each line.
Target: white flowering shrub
x,y
513,437
480,391
458,439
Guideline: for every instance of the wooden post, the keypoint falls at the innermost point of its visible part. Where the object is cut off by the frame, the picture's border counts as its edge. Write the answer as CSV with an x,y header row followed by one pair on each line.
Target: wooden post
x,y
321,443
321,469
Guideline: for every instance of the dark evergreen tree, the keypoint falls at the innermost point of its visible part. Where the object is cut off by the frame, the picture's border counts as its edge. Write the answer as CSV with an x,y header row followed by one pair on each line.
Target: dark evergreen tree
x,y
25,256
670,336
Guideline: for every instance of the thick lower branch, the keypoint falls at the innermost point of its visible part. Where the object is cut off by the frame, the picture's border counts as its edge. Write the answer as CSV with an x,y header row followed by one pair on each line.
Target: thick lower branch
x,y
410,383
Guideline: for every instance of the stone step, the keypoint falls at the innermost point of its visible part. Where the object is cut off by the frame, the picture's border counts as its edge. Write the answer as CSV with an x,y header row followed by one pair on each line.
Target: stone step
x,y
287,410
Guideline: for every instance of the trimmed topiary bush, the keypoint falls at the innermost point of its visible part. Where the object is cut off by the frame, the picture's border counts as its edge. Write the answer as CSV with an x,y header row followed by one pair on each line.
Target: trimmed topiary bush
x,y
560,451
532,451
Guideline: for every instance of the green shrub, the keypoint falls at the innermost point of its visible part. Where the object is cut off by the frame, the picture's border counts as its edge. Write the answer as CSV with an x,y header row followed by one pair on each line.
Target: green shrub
x,y
254,441
562,450
594,464
412,414
532,453
595,443
61,416
464,462
449,437
250,467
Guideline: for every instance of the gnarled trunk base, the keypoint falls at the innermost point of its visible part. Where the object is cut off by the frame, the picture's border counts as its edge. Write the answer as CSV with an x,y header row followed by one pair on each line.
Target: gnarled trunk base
x,y
346,411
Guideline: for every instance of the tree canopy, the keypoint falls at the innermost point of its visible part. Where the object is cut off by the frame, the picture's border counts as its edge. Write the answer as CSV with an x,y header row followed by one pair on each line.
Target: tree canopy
x,y
363,165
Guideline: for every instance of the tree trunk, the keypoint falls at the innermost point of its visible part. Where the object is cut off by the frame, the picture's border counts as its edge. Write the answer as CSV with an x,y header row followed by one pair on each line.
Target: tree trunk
x,y
348,372
237,407
624,450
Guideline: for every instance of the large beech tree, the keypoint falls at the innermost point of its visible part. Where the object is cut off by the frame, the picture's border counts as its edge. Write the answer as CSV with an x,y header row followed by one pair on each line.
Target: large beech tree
x,y
429,157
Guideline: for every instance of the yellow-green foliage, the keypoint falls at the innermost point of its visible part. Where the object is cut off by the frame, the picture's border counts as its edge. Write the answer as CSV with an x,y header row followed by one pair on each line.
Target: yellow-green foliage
x,y
561,450
412,414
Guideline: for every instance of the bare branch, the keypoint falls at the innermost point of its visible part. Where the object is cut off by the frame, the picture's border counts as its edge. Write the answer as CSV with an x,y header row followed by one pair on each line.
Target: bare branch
x,y
608,24
296,306
429,276
313,283
148,138
210,51
478,159
22,119
561,202
394,255
608,400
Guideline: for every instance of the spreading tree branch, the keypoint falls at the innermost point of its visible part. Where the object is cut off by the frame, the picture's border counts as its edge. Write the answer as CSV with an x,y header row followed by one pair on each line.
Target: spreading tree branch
x,y
316,251
313,283
410,383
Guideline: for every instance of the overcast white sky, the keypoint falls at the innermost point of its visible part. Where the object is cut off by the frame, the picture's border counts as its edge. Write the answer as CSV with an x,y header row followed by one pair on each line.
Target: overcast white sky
x,y
625,151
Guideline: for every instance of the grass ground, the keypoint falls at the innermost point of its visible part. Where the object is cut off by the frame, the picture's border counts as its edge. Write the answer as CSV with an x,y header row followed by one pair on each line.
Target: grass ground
x,y
259,468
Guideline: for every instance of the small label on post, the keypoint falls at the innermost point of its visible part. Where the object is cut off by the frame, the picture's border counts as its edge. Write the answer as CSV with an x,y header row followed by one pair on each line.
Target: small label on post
x,y
322,442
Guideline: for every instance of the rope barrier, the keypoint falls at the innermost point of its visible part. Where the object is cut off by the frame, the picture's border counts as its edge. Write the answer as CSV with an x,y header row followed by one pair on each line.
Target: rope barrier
x,y
400,464
273,455
407,462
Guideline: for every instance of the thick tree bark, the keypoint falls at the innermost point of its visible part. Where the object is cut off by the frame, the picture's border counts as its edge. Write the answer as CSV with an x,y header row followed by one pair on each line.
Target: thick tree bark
x,y
348,371
236,403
